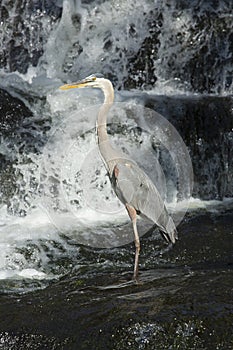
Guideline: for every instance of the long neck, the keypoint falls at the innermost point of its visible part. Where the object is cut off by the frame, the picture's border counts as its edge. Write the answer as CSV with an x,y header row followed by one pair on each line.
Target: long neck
x,y
103,112
108,153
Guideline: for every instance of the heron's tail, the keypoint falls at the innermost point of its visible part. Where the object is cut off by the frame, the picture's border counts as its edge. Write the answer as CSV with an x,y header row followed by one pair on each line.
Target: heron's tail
x,y
169,236
168,230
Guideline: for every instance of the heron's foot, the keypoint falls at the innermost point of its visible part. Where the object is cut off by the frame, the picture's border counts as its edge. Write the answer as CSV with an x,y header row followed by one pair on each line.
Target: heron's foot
x,y
136,280
135,274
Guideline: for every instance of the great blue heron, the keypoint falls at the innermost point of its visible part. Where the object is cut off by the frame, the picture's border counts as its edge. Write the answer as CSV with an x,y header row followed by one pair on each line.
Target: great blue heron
x,y
132,186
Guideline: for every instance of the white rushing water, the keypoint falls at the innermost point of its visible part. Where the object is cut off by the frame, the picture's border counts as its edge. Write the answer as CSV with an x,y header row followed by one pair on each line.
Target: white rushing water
x,y
62,190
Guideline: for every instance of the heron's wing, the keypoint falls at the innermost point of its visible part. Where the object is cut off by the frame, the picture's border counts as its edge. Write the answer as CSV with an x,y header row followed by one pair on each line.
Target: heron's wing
x,y
134,187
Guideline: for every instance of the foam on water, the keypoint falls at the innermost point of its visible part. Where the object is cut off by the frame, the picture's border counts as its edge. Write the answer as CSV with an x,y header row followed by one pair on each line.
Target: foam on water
x,y
96,37
55,201
156,44
63,191
25,273
31,246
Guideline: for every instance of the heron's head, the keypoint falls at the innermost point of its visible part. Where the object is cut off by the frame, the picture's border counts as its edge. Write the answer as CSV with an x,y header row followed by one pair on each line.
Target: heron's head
x,y
93,80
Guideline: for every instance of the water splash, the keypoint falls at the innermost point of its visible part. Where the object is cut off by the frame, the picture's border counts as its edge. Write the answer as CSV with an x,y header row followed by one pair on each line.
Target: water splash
x,y
156,46
146,45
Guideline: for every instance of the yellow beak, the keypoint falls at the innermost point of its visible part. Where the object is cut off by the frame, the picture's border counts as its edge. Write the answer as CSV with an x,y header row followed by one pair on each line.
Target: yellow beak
x,y
73,86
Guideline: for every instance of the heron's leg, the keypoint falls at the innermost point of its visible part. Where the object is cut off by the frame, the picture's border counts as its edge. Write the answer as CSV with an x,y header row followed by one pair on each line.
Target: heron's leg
x,y
133,216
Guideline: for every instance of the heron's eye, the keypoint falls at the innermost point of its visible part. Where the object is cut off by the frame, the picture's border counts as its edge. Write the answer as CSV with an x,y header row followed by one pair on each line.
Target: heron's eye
x,y
93,78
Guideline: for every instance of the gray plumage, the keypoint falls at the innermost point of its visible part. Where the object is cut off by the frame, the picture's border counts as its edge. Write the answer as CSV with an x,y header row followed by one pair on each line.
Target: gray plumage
x,y
132,186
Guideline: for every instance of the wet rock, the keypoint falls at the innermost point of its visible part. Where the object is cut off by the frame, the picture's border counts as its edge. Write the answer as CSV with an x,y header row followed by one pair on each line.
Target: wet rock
x,y
206,125
26,25
12,112
178,49
184,300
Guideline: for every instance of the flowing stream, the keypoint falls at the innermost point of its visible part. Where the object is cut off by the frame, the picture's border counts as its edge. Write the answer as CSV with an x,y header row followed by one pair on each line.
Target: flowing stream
x,y
66,243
